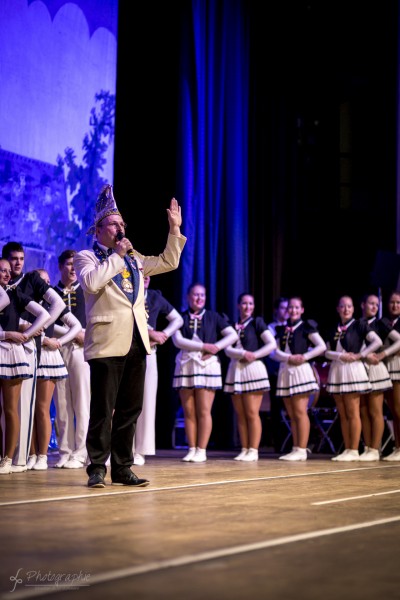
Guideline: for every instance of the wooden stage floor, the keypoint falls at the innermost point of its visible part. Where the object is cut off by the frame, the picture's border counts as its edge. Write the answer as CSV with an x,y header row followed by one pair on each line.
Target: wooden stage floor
x,y
221,530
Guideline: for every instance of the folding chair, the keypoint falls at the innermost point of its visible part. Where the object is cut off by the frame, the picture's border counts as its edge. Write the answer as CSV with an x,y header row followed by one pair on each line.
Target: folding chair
x,y
388,433
324,419
322,410
286,421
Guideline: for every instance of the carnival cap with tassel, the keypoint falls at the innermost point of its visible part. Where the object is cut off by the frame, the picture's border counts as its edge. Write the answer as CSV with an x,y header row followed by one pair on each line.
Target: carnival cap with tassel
x,y
105,206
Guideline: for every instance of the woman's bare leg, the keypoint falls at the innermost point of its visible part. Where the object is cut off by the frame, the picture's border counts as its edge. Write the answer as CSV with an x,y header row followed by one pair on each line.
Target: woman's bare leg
x,y
375,408
366,424
189,413
204,399
11,390
289,409
252,404
393,399
238,405
352,407
44,394
344,425
301,420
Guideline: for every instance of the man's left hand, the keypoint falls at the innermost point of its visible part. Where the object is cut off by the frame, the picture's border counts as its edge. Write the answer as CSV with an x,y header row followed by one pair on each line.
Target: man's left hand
x,y
174,217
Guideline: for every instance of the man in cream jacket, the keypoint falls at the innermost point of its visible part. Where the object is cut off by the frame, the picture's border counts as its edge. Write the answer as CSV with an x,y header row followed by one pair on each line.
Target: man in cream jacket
x,y
116,339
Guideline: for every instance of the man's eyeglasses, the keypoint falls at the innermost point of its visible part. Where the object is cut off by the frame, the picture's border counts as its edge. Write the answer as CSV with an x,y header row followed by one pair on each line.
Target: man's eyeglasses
x,y
116,225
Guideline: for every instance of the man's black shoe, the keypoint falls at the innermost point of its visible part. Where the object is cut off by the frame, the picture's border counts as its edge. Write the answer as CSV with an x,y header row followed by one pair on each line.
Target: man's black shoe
x,y
96,480
129,478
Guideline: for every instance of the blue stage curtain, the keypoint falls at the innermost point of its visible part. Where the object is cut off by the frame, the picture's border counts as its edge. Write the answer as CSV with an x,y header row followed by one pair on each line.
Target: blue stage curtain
x,y
213,151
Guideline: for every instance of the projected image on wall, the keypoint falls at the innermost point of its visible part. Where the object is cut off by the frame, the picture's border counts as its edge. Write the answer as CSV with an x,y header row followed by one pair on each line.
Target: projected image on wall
x,y
57,116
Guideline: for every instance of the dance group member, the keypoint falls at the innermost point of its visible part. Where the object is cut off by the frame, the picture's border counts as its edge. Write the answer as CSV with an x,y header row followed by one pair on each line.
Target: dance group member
x,y
197,374
348,343
298,343
280,316
371,404
51,369
393,366
14,365
155,305
247,377
72,394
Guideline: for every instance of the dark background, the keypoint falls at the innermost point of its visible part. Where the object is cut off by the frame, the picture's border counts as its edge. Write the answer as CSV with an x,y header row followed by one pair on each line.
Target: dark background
x,y
322,160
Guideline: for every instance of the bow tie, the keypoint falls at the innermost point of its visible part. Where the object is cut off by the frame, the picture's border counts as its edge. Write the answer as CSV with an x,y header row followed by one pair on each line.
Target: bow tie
x,y
196,316
343,328
101,253
239,326
289,329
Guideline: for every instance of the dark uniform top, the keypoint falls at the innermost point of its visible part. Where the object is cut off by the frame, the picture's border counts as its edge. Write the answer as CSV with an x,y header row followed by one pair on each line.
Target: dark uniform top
x,y
296,337
382,327
10,315
49,331
208,328
351,336
250,335
155,305
74,299
32,285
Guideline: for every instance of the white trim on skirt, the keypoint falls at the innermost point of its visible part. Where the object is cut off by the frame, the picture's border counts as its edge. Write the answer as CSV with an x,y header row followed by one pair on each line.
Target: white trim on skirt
x,y
51,365
296,379
244,377
192,372
348,378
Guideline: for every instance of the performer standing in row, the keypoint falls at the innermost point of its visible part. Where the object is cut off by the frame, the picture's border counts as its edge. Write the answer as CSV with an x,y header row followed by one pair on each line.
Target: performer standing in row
x,y
348,343
156,305
393,365
197,373
72,395
51,369
280,316
371,405
298,343
247,378
14,364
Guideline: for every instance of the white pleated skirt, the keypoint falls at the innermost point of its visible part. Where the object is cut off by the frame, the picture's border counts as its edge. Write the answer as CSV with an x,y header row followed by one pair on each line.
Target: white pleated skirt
x,y
393,367
296,379
13,362
347,378
193,372
245,377
379,377
51,365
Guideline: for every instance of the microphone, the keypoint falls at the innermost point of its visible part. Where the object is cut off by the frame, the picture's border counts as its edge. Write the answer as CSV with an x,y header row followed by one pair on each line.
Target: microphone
x,y
119,237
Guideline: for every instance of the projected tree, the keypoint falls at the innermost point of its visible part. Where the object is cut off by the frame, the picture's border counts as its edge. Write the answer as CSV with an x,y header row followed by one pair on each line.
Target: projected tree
x,y
84,181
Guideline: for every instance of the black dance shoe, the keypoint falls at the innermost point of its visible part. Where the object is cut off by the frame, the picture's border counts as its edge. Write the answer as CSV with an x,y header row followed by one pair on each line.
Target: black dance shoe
x,y
96,480
129,478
